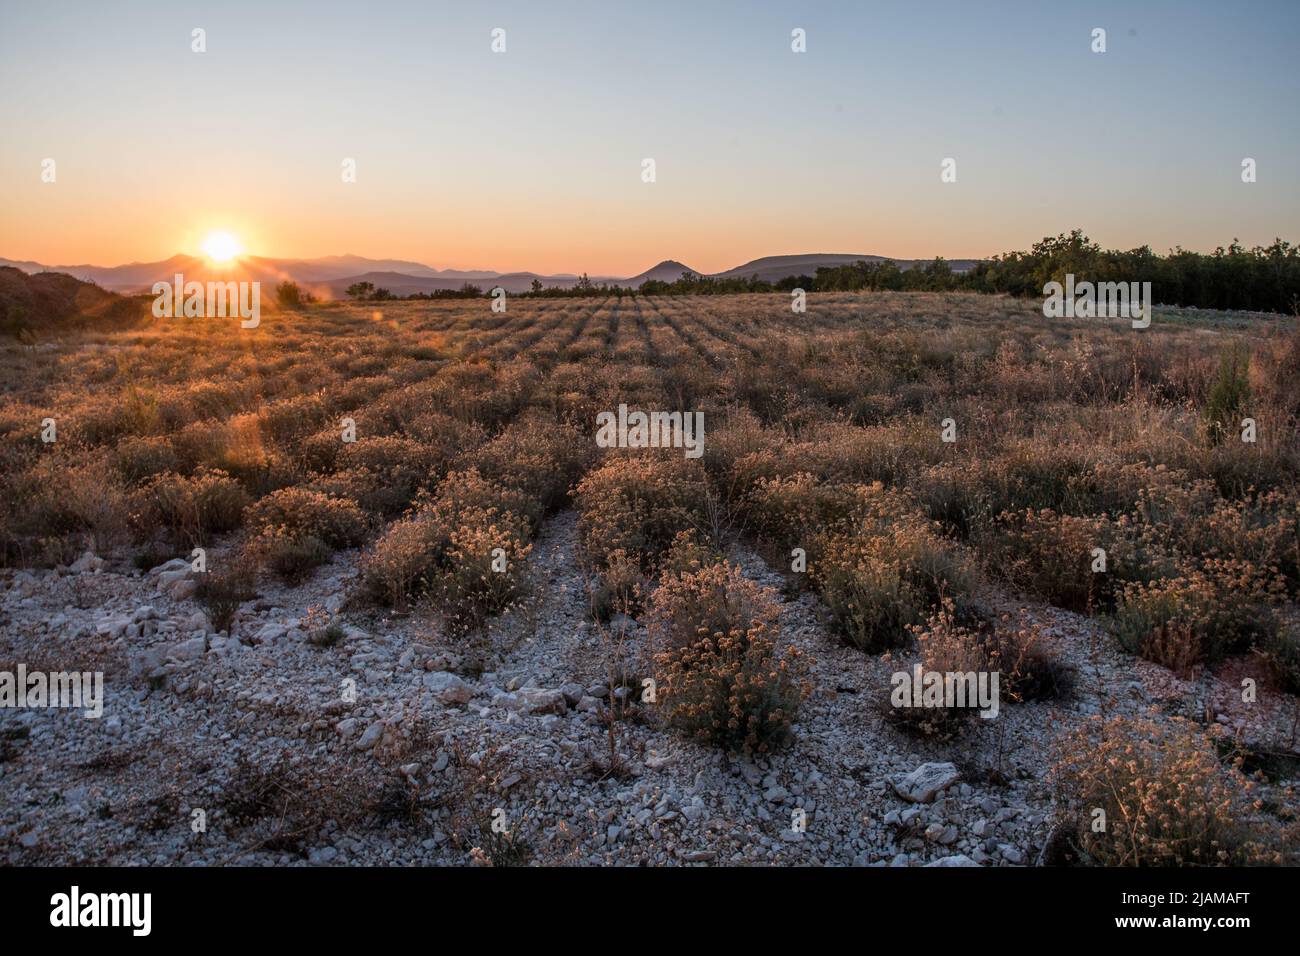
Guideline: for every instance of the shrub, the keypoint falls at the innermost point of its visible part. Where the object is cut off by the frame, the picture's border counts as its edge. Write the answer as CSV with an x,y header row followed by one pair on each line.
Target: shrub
x,y
221,592
298,512
289,296
1029,670
721,677
463,495
289,555
386,474
838,451
687,554
208,502
1262,529
887,575
713,600
403,559
416,550
57,498
238,449
1197,618
1167,799
871,603
318,451
620,588
1226,401
965,496
137,458
538,459
788,511
965,640
1051,555
946,646
475,582
292,418
1281,654
296,529
741,436
638,505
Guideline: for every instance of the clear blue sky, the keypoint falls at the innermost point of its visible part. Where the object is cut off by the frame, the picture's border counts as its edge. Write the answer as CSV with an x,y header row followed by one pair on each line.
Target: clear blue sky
x,y
531,159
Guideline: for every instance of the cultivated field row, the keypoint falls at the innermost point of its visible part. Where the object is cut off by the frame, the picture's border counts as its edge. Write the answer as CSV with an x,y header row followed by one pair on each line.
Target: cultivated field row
x,y
411,496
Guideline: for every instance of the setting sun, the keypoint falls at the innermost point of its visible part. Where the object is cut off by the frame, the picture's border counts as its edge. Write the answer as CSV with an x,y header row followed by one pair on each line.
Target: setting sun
x,y
221,247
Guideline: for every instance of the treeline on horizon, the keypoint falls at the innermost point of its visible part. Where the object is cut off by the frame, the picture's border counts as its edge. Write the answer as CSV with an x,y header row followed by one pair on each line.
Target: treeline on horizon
x,y
1259,279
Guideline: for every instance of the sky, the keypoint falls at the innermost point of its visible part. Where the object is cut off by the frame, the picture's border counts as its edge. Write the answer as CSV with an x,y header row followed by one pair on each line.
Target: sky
x,y
532,159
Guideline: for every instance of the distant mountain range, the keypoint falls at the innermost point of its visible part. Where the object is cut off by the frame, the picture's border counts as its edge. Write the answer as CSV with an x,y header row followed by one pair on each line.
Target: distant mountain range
x,y
329,277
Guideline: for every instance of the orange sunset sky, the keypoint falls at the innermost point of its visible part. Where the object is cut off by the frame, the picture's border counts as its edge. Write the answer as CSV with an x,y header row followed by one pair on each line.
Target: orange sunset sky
x,y
531,159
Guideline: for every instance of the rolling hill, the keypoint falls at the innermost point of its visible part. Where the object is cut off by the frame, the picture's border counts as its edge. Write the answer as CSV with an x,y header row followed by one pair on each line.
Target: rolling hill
x,y
44,300
328,277
775,268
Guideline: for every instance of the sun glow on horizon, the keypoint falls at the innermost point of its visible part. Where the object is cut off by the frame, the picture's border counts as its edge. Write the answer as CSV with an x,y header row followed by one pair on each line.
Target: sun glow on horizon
x,y
221,247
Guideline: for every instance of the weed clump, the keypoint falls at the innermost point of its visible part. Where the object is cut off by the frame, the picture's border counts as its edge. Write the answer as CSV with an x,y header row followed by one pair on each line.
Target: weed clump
x,y
722,677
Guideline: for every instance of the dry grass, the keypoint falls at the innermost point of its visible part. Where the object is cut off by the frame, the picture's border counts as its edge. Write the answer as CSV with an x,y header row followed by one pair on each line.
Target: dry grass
x,y
339,425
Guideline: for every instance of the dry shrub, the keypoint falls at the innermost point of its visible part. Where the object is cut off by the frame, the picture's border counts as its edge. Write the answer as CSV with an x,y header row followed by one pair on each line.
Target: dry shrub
x,y
1029,671
1197,618
1156,493
965,639
475,794
446,436
320,450
1229,394
1051,555
137,458
292,418
448,536
887,574
286,805
620,587
870,600
403,559
192,508
968,495
538,459
766,388
1167,799
688,554
471,588
712,600
56,498
297,512
237,448
946,646
295,530
790,511
721,676
468,493
1281,655
764,464
1262,529
385,474
837,451
477,392
638,504
289,555
220,592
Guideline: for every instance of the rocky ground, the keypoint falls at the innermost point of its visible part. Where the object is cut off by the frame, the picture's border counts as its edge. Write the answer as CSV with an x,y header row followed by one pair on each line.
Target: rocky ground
x,y
276,745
